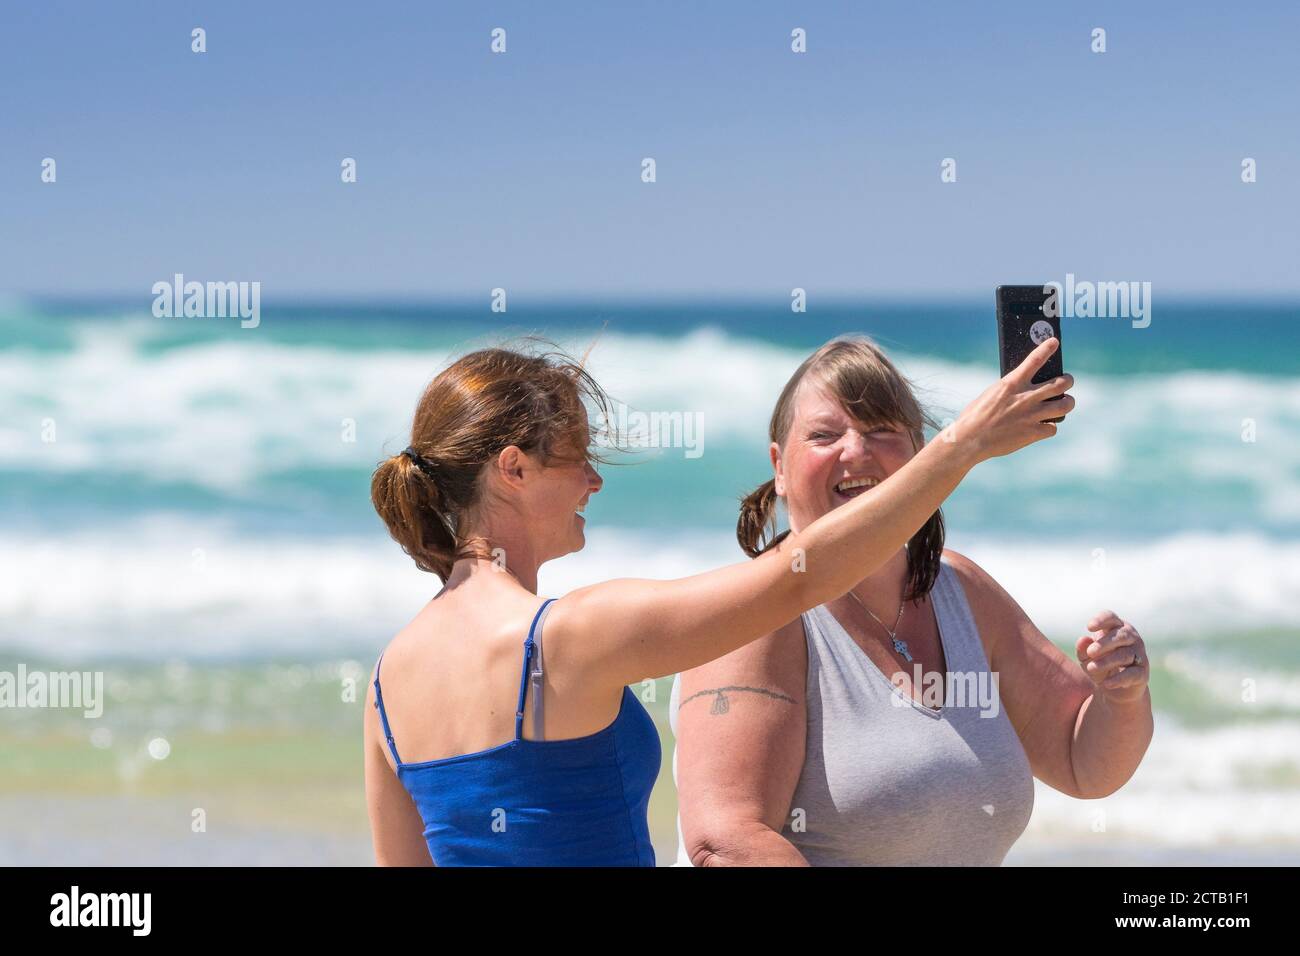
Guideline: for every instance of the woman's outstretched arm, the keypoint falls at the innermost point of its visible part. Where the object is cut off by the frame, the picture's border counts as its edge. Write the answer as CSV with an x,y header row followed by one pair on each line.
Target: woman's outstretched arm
x,y
627,630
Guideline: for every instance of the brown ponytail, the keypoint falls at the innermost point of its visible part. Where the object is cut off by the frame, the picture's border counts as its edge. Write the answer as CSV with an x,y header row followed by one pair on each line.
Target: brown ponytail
x,y
479,405
411,505
860,375
758,520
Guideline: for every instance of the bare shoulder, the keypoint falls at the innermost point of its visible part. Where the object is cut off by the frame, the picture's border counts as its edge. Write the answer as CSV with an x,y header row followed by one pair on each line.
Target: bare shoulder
x,y
980,586
388,665
404,646
996,612
371,734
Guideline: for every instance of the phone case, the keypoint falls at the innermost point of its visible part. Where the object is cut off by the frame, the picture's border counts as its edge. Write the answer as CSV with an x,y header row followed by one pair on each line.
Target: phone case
x,y
1023,323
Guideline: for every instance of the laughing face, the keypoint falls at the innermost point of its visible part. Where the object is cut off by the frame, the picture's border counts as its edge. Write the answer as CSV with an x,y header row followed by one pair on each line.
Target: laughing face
x,y
562,496
830,457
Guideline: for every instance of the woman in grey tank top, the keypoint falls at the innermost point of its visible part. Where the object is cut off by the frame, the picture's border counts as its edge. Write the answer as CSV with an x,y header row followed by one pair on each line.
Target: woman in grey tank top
x,y
903,723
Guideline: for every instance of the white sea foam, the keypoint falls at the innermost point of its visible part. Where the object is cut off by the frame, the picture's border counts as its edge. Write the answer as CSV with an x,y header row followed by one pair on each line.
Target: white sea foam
x,y
1196,583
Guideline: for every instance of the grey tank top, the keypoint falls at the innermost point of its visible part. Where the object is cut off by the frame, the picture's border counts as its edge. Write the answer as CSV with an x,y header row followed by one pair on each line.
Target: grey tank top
x,y
889,781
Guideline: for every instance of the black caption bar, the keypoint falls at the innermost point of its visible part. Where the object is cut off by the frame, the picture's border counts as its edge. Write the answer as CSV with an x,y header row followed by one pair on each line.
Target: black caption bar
x,y
303,905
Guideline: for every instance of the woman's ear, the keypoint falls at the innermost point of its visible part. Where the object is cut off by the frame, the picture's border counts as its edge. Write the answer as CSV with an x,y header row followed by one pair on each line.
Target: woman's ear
x,y
510,464
778,471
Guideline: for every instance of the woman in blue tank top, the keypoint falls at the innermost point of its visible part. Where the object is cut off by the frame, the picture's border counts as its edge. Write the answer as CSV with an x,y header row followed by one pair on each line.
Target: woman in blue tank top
x,y
499,465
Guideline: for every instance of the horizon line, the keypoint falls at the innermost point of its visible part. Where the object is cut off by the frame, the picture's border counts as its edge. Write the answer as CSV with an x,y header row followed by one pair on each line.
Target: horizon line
x,y
525,299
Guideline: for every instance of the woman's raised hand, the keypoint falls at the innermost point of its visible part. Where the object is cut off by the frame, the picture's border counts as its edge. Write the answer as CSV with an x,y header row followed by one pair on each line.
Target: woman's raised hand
x,y
1011,412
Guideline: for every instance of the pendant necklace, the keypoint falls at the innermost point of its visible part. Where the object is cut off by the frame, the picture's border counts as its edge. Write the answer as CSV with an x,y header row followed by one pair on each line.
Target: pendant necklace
x,y
900,647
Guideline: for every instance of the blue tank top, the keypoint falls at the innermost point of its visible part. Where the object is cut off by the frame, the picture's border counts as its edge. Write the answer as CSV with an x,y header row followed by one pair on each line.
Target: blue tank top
x,y
576,802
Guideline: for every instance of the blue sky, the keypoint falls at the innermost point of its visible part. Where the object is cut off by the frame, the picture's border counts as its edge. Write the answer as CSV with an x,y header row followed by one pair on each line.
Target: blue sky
x,y
522,170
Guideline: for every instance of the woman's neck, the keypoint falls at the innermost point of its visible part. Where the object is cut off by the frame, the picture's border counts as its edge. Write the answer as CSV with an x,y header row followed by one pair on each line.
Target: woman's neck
x,y
886,587
499,568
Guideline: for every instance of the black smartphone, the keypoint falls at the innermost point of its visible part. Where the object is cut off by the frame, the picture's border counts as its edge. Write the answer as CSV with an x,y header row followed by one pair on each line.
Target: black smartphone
x,y
1028,315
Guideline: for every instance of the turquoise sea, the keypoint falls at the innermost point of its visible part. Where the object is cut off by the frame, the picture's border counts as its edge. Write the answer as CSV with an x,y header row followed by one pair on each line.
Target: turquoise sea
x,y
184,506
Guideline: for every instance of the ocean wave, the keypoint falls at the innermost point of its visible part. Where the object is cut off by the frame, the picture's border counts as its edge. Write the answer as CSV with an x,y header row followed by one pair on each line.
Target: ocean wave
x,y
1193,583
227,414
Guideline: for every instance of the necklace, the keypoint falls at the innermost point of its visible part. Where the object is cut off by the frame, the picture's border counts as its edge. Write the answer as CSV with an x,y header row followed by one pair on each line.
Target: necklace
x,y
900,647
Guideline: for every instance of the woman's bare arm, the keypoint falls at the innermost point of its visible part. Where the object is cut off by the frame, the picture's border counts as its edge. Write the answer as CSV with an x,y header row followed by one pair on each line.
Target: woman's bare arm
x,y
1076,740
741,724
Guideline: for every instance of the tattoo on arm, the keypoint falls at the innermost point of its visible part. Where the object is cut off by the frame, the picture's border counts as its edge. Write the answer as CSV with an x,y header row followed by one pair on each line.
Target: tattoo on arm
x,y
720,703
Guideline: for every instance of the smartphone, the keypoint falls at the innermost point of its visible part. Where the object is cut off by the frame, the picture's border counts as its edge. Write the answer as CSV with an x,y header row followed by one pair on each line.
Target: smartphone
x,y
1027,316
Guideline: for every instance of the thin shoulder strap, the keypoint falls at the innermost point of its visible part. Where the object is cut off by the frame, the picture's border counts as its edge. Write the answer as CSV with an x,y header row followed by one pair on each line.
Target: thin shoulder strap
x,y
534,632
536,674
962,649
383,714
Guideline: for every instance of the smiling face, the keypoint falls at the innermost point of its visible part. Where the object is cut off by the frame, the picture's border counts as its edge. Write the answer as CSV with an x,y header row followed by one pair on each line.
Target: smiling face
x,y
830,456
568,486
555,500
